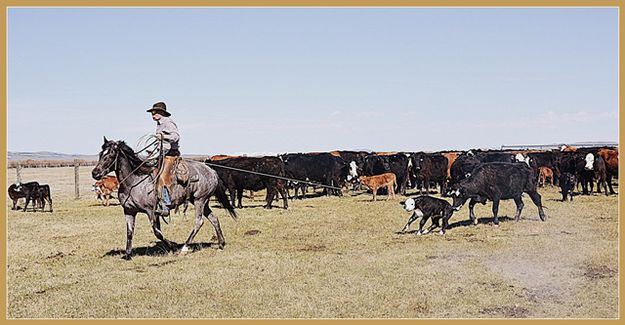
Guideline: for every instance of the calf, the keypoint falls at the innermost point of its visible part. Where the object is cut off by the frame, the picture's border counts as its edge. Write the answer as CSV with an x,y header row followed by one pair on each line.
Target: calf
x,y
375,182
30,190
15,194
567,184
495,182
105,187
396,163
545,173
425,207
43,196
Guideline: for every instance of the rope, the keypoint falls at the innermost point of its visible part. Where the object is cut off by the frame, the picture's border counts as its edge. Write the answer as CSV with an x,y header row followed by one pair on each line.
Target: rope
x,y
274,176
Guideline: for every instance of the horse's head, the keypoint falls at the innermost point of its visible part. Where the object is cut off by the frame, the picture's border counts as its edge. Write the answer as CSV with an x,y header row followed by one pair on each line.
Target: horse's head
x,y
107,159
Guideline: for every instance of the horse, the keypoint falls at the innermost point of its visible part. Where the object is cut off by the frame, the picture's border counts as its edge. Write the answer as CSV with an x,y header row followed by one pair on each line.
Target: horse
x,y
137,193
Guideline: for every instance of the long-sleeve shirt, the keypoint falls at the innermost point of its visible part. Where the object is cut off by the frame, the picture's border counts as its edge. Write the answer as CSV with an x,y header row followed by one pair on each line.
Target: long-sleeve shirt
x,y
169,129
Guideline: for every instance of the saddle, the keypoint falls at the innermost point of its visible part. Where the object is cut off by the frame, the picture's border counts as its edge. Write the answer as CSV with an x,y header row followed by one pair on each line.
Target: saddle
x,y
175,171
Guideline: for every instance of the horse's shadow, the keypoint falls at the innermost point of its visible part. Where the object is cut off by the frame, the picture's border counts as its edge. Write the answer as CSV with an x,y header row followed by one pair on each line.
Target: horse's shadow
x,y
159,249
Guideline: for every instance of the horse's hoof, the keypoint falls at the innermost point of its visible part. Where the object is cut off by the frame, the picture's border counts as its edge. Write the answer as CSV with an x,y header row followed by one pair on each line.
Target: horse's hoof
x,y
183,251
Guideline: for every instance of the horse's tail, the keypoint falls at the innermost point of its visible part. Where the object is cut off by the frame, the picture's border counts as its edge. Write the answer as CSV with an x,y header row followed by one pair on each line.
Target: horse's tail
x,y
223,199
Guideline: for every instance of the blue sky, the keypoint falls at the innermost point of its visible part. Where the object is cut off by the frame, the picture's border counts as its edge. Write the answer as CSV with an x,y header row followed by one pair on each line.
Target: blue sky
x,y
270,80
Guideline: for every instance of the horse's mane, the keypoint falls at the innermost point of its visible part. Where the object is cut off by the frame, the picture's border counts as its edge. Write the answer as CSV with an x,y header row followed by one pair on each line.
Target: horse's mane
x,y
141,166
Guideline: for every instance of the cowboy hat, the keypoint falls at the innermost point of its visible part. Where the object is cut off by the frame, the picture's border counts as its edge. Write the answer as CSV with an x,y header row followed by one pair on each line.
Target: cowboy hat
x,y
161,108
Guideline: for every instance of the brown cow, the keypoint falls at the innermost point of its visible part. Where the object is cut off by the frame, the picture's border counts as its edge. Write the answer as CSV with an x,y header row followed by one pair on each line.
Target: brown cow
x,y
543,174
567,148
105,187
377,181
221,157
610,156
451,157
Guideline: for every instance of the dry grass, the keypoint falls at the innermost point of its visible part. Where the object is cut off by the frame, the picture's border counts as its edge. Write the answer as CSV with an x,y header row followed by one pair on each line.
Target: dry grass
x,y
322,258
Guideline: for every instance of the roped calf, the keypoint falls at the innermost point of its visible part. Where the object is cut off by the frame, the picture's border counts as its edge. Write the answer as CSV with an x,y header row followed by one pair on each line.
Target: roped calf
x,y
425,207
375,182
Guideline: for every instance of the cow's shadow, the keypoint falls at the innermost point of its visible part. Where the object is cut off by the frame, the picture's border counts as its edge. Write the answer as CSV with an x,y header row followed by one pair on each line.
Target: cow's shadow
x,y
160,249
460,223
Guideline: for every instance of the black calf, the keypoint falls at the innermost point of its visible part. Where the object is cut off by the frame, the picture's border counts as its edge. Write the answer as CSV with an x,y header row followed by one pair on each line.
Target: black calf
x,y
426,207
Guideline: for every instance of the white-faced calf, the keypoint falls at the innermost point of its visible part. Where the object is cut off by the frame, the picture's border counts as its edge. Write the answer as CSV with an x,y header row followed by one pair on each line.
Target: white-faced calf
x,y
425,207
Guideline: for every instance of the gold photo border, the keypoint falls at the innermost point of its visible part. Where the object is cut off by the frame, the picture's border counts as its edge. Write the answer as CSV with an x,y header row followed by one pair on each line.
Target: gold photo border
x,y
283,3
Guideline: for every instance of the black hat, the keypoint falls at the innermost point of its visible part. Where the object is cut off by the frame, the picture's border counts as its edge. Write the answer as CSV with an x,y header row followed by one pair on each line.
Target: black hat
x,y
161,108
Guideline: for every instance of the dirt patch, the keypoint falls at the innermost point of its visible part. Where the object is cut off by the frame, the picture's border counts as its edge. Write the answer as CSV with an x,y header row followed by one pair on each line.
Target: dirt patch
x,y
59,255
506,311
252,232
313,248
599,272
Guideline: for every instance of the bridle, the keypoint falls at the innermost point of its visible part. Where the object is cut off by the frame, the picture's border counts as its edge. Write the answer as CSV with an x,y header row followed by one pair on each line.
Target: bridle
x,y
114,162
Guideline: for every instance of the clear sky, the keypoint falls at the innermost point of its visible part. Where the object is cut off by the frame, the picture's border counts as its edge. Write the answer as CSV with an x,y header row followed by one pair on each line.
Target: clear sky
x,y
262,80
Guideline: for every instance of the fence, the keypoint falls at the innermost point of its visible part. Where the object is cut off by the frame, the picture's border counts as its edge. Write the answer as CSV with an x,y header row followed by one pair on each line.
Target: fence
x,y
557,146
20,165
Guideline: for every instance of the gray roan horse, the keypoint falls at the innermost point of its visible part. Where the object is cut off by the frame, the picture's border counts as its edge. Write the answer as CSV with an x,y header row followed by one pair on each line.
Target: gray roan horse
x,y
136,192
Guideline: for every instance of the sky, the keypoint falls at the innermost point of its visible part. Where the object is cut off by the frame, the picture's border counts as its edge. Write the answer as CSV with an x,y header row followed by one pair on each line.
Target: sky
x,y
276,80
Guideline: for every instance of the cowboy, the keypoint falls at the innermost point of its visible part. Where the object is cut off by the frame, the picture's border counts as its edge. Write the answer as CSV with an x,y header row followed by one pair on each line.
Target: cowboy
x,y
167,133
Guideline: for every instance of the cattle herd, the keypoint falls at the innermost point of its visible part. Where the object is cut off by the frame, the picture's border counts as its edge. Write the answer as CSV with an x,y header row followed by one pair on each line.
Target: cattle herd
x,y
475,175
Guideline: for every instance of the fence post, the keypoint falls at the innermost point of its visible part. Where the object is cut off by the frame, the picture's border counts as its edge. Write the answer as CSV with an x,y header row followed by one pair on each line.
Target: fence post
x,y
76,179
18,170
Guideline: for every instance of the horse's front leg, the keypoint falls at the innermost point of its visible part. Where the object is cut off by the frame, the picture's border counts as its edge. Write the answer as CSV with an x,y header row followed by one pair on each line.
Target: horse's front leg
x,y
200,206
130,228
156,228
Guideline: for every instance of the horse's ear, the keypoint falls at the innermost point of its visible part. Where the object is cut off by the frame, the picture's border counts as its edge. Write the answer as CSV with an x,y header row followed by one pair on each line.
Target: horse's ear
x,y
105,140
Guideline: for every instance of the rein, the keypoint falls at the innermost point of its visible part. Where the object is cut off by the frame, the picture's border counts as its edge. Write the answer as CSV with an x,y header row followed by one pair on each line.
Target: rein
x,y
131,173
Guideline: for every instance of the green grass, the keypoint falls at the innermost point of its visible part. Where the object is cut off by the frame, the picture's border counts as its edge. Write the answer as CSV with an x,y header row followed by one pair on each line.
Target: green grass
x,y
322,258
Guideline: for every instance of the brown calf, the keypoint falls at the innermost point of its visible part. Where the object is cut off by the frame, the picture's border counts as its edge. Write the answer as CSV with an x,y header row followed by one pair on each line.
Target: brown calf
x,y
375,182
105,187
543,174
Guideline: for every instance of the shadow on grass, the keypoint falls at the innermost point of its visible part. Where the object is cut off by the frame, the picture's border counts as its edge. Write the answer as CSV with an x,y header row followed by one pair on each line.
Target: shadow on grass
x,y
159,249
463,223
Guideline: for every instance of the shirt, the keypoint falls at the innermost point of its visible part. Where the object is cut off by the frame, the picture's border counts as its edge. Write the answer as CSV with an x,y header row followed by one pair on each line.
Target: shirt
x,y
169,129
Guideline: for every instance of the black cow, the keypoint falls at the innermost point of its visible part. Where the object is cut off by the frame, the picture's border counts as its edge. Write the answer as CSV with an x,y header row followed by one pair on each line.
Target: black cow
x,y
428,168
425,207
567,184
322,168
496,156
494,182
395,163
238,181
355,161
463,167
591,166
545,159
30,191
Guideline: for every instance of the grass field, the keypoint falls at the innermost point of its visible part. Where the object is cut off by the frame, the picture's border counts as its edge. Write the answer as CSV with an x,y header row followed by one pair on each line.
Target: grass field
x,y
322,258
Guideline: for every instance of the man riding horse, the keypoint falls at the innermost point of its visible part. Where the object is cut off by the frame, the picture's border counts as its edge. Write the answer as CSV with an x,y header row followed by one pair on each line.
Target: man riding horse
x,y
167,133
